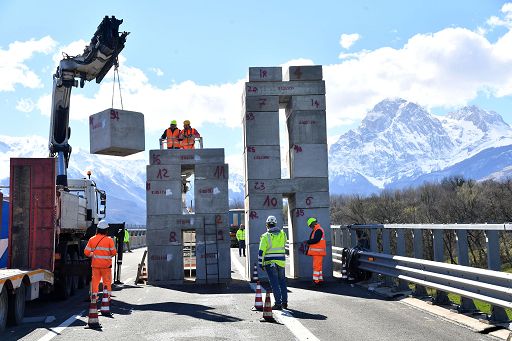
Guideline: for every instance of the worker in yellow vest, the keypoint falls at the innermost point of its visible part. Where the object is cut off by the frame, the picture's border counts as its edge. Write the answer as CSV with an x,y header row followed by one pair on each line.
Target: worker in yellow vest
x,y
316,248
271,258
240,236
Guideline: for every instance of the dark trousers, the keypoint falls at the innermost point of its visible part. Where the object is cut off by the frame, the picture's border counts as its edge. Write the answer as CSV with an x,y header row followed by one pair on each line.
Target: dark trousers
x,y
241,246
277,278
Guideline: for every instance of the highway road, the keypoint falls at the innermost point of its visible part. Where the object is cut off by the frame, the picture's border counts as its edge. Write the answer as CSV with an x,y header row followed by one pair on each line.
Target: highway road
x,y
337,311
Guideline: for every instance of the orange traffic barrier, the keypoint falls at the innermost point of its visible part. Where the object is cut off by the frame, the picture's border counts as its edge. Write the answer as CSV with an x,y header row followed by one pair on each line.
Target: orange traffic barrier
x,y
258,301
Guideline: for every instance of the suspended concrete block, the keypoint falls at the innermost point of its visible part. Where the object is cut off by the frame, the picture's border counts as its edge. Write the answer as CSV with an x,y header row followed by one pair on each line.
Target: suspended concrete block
x,y
116,132
265,74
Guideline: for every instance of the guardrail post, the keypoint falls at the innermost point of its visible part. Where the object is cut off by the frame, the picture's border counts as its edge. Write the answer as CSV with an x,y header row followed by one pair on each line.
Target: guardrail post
x,y
386,248
345,238
373,240
400,251
492,239
466,304
353,237
417,238
441,297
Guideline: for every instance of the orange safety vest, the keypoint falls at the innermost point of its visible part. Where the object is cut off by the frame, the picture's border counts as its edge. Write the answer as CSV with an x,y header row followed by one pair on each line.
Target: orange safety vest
x,y
188,135
318,249
101,249
173,138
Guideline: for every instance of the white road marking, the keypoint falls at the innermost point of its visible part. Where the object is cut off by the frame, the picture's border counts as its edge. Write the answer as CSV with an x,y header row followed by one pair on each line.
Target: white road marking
x,y
129,280
285,317
58,330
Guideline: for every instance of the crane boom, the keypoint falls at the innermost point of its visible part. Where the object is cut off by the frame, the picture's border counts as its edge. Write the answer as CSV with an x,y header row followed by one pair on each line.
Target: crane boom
x,y
94,63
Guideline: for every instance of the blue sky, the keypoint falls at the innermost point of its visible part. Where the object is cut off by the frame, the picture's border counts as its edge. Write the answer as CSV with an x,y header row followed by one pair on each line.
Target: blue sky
x,y
189,60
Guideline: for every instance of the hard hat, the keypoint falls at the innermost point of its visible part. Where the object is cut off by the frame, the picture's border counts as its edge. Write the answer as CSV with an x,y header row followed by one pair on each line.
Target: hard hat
x,y
311,221
102,225
186,122
271,221
173,122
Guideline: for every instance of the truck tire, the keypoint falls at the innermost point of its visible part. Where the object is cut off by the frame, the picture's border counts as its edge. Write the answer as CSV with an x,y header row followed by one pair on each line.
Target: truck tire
x,y
4,303
17,306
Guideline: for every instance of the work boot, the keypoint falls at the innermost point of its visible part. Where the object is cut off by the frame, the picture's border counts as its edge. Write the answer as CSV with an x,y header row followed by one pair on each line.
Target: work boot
x,y
277,306
285,305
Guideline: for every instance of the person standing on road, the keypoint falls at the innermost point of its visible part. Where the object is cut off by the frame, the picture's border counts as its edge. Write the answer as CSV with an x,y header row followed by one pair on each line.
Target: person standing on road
x,y
316,248
127,240
101,249
240,236
271,258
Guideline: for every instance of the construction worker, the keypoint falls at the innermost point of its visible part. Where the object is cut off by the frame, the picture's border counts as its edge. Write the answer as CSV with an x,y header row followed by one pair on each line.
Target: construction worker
x,y
316,248
101,249
172,136
188,135
126,240
271,258
240,236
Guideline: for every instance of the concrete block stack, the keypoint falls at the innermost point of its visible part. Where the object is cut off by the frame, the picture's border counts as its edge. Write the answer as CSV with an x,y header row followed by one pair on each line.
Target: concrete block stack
x,y
307,190
166,221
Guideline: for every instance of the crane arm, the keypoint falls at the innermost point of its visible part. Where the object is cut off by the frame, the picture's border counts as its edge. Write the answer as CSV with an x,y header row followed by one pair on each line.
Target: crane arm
x,y
94,63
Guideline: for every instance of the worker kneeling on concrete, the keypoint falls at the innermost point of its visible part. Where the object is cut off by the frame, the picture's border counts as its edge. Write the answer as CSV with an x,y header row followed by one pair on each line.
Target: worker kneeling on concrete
x,y
101,249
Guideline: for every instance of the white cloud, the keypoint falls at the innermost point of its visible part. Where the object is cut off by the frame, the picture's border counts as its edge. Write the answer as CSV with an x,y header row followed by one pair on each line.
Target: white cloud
x,y
157,71
505,20
13,67
347,40
25,105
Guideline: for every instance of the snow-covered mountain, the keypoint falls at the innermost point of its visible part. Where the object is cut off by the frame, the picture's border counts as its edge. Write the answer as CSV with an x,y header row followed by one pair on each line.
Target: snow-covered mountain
x,y
400,144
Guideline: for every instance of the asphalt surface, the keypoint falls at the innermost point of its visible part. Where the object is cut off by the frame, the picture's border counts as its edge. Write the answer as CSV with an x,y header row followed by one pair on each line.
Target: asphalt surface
x,y
336,311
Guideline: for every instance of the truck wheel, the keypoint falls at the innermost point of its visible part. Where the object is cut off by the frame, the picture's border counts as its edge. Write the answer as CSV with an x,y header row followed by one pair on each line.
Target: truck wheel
x,y
4,303
17,306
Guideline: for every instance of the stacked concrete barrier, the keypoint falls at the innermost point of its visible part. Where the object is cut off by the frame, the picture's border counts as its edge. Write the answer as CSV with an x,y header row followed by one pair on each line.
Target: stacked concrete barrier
x,y
166,221
307,190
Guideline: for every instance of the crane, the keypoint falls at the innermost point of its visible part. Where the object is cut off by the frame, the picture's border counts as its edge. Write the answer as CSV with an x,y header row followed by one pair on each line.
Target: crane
x,y
94,63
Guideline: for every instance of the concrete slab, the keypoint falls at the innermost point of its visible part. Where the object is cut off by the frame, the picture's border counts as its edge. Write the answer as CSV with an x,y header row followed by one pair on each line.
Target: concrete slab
x,y
309,200
217,219
255,223
186,156
308,160
165,264
260,103
309,102
291,88
211,196
174,221
163,172
262,162
164,237
215,171
304,73
307,127
264,201
261,128
286,186
116,132
163,197
265,74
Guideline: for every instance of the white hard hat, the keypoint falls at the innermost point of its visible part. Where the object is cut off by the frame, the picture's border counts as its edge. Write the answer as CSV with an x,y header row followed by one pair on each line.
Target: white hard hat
x,y
102,225
271,220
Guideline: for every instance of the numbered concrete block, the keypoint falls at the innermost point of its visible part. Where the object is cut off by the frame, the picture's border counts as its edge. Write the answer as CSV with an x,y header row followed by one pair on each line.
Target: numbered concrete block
x,y
286,187
165,265
261,128
186,156
304,73
265,74
211,196
308,160
262,162
163,197
116,132
164,237
264,201
217,219
291,88
309,199
255,223
307,127
163,172
176,222
301,103
260,103
219,172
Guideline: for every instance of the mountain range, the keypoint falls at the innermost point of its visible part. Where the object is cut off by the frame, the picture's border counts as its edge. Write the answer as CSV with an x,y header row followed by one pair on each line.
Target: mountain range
x,y
398,144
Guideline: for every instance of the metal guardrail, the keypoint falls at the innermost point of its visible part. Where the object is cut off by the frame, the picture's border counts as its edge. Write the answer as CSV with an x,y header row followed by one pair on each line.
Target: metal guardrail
x,y
198,142
488,285
137,238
